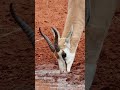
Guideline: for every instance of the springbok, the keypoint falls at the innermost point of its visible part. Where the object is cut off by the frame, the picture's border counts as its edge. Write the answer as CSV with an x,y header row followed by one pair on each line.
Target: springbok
x,y
65,46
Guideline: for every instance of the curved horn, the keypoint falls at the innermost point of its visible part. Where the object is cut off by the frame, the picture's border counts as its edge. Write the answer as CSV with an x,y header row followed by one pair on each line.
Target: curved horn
x,y
48,41
26,28
57,48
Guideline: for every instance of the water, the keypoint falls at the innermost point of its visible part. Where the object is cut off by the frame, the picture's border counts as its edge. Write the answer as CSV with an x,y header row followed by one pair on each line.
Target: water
x,y
47,79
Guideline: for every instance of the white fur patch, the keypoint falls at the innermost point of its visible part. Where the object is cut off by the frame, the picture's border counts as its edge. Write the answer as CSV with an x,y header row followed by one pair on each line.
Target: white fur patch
x,y
69,60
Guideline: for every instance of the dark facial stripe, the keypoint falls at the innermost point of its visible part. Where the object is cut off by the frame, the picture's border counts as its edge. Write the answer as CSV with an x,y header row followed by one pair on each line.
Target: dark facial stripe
x,y
65,64
64,56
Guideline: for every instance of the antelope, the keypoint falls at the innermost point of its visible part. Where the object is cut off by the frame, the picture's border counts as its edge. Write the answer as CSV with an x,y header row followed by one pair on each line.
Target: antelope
x,y
64,47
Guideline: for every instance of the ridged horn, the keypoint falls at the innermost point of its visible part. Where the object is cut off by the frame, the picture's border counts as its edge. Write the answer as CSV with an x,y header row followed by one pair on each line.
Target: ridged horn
x,y
25,27
48,41
57,48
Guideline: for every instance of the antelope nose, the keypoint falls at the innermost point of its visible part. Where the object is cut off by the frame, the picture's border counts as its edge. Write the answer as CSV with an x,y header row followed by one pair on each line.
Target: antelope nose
x,y
63,71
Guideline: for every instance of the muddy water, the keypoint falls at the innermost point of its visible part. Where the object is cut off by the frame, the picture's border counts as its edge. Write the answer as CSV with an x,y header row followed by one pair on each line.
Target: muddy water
x,y
48,79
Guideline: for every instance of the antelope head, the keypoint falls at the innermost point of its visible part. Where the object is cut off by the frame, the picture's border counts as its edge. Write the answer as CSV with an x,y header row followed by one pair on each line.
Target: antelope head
x,y
64,56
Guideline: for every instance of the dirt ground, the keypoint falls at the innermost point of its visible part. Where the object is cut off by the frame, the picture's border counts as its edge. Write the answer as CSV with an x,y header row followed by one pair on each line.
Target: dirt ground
x,y
16,52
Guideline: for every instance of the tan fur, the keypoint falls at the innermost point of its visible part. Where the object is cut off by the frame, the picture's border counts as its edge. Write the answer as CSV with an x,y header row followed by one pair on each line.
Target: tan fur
x,y
75,17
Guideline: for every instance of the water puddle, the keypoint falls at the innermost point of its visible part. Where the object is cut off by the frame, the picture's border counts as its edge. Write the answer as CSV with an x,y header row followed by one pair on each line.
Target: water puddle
x,y
47,79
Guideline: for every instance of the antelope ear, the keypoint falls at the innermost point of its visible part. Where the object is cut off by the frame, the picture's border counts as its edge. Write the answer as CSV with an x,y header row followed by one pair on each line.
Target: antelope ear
x,y
67,40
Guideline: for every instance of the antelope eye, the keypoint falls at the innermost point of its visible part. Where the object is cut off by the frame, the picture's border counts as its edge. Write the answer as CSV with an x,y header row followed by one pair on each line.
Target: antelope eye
x,y
64,55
